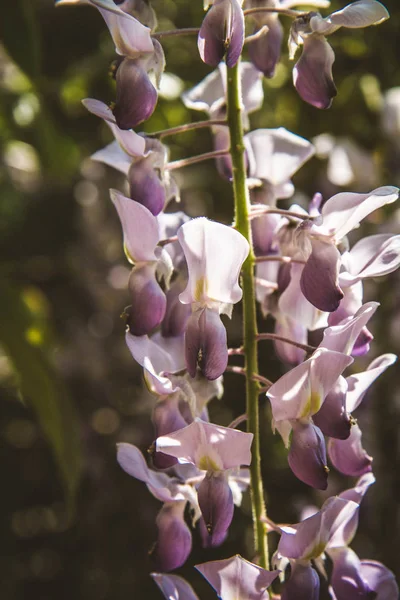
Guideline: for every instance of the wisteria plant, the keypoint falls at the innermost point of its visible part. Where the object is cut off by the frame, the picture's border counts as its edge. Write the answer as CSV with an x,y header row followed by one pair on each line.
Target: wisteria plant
x,y
297,264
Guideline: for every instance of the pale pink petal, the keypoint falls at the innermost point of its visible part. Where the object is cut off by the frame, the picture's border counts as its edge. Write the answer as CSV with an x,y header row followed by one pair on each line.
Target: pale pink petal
x,y
114,156
372,256
342,338
359,14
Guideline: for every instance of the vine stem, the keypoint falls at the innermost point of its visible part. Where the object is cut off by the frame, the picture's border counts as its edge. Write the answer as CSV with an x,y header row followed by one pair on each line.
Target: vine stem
x,y
242,224
186,127
192,160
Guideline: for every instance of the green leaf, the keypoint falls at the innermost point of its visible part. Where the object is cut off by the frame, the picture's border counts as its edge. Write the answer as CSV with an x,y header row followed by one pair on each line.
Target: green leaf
x,y
20,36
25,338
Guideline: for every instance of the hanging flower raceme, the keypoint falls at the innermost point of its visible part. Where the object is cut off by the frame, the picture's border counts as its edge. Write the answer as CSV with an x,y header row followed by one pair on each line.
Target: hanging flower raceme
x,y
215,450
222,33
312,74
214,254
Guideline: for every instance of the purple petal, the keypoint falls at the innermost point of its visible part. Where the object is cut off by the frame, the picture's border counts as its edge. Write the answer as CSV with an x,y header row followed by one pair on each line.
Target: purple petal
x,y
206,344
148,302
146,186
208,446
216,505
312,75
288,328
265,51
332,418
136,96
177,314
307,455
347,581
319,279
166,418
174,587
380,579
174,542
342,337
348,456
222,31
302,585
235,578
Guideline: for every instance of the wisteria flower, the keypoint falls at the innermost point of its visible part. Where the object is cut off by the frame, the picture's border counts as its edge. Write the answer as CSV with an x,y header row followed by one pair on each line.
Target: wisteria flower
x,y
214,254
312,74
222,32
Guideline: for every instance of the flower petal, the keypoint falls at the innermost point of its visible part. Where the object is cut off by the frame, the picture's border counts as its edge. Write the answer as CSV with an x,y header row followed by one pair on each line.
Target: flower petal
x,y
235,578
358,383
348,456
174,587
359,14
222,31
303,583
174,542
136,96
319,279
265,51
216,505
214,254
332,418
312,74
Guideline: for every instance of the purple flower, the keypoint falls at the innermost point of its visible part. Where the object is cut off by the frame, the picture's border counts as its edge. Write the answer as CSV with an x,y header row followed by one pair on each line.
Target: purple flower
x,y
214,254
312,75
222,33
174,587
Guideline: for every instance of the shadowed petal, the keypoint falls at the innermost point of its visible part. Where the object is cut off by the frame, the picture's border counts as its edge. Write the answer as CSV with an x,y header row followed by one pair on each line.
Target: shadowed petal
x,y
174,542
216,505
222,31
148,301
319,279
332,418
346,580
312,74
206,344
265,51
136,96
307,455
302,585
348,456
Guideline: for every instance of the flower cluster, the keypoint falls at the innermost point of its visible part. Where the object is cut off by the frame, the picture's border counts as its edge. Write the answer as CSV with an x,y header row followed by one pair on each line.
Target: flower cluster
x,y
308,277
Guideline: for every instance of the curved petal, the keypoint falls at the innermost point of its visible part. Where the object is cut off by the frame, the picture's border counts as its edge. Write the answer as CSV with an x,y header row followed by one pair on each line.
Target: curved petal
x,y
342,337
214,254
303,583
307,455
319,278
348,456
380,579
332,418
140,228
174,587
344,211
347,581
114,156
373,256
206,344
216,505
235,578
265,51
312,74
208,446
359,14
136,96
359,383
174,542
148,301
222,31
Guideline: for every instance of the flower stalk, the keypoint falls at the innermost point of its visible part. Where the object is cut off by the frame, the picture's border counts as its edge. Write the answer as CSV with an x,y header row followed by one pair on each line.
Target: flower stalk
x,y
242,224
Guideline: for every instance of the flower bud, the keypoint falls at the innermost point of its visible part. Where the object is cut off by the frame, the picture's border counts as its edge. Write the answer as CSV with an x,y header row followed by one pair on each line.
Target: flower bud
x,y
148,301
216,504
136,95
307,455
174,541
206,344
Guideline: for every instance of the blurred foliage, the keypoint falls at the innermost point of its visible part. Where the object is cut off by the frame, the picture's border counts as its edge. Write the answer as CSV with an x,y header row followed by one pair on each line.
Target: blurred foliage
x,y
26,339
63,286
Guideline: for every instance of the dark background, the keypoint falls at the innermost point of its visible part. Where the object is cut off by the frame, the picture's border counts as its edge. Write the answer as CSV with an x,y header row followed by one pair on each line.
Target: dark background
x,y
72,524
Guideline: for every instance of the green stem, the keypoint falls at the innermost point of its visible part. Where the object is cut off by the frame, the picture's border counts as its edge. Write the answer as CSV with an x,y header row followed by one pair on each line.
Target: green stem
x,y
242,224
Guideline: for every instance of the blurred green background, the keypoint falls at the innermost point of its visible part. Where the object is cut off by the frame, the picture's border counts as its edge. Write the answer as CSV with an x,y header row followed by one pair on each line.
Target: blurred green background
x,y
72,524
